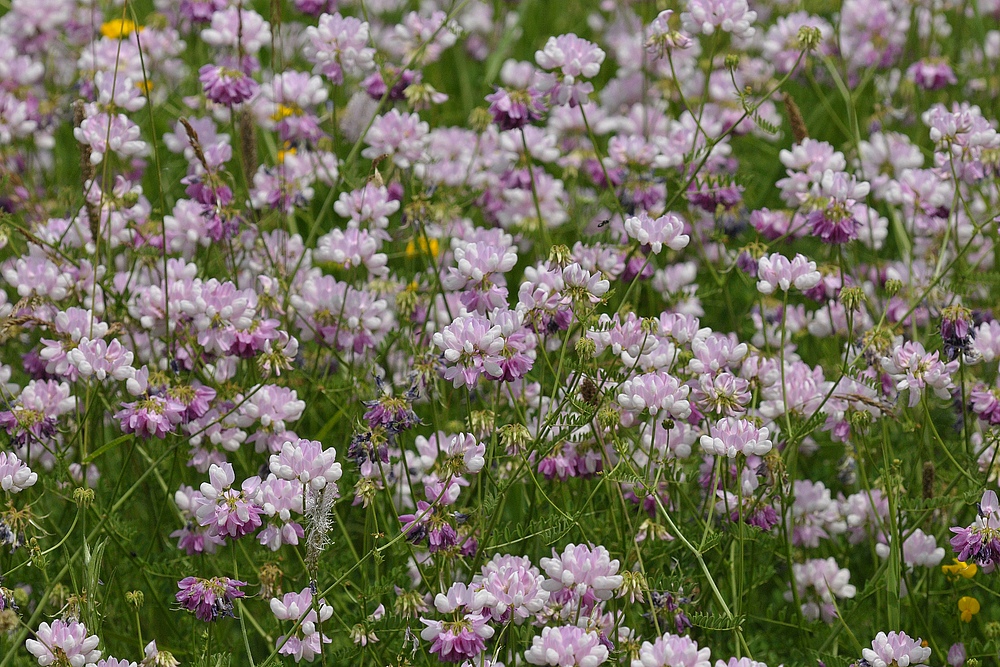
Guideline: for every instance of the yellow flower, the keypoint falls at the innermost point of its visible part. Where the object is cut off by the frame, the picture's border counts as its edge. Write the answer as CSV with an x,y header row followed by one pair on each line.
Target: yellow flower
x,y
118,28
284,111
969,607
427,247
965,570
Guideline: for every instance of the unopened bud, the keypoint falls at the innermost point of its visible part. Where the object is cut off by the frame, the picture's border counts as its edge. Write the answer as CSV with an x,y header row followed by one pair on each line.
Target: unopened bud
x,y
608,417
83,497
514,437
561,255
585,347
809,37
852,297
480,119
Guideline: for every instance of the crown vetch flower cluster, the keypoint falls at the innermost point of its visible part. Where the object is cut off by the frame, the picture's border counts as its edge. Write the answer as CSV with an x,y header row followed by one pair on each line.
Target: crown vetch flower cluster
x,y
518,274
209,598
307,641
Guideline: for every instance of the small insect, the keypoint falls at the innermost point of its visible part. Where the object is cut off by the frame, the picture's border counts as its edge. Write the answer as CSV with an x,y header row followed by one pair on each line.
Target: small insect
x,y
604,223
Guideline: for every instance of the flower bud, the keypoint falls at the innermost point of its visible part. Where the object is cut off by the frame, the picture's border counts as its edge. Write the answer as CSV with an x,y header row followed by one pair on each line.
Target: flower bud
x,y
809,37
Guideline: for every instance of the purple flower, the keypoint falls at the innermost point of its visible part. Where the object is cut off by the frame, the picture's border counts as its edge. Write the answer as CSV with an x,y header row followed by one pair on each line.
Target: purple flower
x,y
226,86
956,655
762,516
819,581
234,27
961,135
480,265
339,45
306,461
103,133
985,402
115,662
400,136
655,392
393,413
66,642
225,510
99,359
662,38
581,571
895,648
196,399
154,416
566,646
665,230
576,59
776,271
519,344
192,538
209,598
872,32
307,642
932,73
980,541
915,369
513,109
834,224
465,637
673,651
515,587
426,523
957,331
732,16
714,197
33,415
15,475
376,86
457,641
732,436
918,549
200,11
472,346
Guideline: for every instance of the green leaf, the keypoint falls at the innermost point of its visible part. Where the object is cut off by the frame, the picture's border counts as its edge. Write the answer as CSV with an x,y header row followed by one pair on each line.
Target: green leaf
x,y
715,621
107,447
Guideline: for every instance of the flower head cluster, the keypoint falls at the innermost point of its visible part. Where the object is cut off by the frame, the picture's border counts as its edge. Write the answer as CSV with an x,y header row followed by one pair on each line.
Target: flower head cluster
x,y
515,587
666,230
672,651
776,272
15,475
587,574
575,58
707,16
64,643
820,582
980,541
895,648
915,369
472,346
307,461
209,598
307,641
732,436
566,646
226,511
465,637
